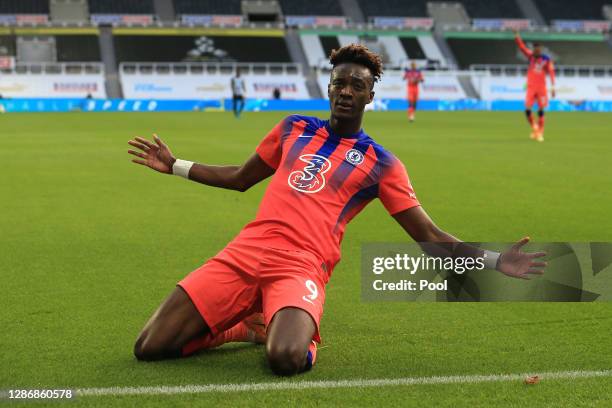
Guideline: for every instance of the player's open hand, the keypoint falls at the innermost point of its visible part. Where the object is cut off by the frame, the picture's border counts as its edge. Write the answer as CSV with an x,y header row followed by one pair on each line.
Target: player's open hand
x,y
517,264
154,155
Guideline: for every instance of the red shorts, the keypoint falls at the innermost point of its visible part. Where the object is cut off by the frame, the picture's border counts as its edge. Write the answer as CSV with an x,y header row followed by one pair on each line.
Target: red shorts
x,y
413,94
538,95
243,279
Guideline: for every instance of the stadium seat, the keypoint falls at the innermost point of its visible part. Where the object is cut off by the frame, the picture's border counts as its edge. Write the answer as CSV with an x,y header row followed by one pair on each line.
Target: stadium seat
x,y
7,45
121,6
77,48
196,48
24,7
207,7
413,8
479,51
570,10
316,8
492,9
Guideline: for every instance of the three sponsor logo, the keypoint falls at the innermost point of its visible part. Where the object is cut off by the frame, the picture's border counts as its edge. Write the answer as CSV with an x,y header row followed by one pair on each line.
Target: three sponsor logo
x,y
311,178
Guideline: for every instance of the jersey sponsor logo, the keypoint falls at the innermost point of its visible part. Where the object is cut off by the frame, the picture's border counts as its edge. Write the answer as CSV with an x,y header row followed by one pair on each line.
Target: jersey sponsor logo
x,y
311,178
354,156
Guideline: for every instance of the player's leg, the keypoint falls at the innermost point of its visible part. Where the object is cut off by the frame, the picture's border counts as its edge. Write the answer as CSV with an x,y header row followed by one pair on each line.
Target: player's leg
x,y
177,329
207,309
415,101
408,100
174,324
241,99
235,105
289,341
411,104
542,104
293,295
250,330
529,100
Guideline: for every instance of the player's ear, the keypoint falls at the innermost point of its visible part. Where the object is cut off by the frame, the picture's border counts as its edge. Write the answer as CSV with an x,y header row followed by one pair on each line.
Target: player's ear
x,y
371,96
329,90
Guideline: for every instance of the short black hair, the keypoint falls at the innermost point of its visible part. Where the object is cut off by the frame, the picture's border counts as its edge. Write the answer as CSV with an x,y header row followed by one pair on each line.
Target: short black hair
x,y
536,44
358,54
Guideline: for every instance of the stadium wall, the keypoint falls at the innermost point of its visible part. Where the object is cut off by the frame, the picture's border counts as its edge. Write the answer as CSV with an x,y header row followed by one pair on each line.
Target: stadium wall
x,y
187,86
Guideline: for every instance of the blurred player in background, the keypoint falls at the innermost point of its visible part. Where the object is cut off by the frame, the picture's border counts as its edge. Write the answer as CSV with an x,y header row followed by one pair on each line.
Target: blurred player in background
x,y
539,66
414,77
238,91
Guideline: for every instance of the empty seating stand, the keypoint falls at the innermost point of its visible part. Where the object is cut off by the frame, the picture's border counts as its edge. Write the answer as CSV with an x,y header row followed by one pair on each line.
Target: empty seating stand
x,y
394,8
207,7
139,48
572,10
492,9
77,48
312,8
483,51
24,6
121,6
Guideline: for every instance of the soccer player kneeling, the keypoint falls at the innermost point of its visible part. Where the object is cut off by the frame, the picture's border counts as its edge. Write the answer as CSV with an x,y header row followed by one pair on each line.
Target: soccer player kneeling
x,y
268,284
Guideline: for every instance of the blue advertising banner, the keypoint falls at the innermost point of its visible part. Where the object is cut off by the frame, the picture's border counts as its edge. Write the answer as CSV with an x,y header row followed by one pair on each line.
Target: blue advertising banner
x,y
257,105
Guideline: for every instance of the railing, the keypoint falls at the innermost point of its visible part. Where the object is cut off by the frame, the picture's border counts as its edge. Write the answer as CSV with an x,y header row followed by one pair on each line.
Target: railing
x,y
533,28
209,68
561,70
55,68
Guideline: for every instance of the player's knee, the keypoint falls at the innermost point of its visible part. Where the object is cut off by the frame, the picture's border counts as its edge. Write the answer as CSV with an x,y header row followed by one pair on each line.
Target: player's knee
x,y
146,349
286,359
541,112
528,112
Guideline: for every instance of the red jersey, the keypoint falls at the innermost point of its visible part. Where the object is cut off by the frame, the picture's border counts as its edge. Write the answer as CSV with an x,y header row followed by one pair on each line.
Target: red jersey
x,y
414,77
538,67
322,181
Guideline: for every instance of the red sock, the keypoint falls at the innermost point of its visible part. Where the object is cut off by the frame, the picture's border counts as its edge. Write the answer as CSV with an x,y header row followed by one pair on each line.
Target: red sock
x,y
530,119
410,110
541,122
237,333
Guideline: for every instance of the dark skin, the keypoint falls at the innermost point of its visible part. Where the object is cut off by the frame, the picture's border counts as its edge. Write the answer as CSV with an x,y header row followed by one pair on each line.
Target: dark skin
x,y
177,321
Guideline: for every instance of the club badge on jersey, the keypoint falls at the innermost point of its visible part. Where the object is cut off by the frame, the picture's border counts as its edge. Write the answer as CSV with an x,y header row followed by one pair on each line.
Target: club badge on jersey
x,y
354,156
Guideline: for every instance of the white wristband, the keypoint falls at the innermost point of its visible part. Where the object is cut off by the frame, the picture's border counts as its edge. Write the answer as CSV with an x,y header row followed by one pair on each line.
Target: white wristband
x,y
181,168
490,259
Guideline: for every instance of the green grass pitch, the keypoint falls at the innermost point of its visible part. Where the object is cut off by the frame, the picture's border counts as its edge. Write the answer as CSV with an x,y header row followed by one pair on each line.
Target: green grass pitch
x,y
90,244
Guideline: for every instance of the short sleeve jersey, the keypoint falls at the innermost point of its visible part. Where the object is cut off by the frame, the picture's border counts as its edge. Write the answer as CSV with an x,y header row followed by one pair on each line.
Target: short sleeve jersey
x,y
413,77
321,182
538,67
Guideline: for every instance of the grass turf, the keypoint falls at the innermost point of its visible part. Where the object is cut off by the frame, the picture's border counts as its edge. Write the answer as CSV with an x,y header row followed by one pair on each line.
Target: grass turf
x,y
92,243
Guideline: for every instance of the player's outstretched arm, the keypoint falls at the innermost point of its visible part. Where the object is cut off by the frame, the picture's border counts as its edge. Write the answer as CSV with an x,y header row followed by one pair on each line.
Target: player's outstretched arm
x,y
157,156
519,41
436,242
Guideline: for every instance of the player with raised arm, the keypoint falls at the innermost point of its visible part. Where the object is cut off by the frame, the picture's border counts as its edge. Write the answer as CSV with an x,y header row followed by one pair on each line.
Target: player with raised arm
x,y
539,66
324,172
413,78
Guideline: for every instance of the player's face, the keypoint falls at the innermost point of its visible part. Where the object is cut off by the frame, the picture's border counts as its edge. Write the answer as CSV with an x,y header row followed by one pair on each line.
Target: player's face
x,y
350,90
537,50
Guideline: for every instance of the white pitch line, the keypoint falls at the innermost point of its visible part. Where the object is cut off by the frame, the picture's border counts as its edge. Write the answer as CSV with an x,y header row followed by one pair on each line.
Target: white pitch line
x,y
356,383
